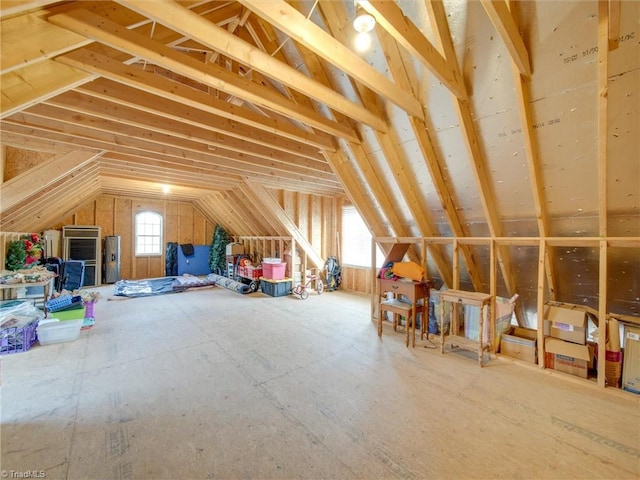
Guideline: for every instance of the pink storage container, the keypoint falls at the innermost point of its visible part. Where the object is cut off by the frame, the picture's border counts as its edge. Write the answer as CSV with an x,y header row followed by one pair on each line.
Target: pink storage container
x,y
274,271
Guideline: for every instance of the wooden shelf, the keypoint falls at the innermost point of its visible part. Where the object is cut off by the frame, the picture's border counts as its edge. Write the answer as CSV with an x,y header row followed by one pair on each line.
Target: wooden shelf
x,y
461,297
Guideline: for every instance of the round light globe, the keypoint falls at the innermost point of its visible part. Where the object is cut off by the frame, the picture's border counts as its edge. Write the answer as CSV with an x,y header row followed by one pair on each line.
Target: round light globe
x,y
363,41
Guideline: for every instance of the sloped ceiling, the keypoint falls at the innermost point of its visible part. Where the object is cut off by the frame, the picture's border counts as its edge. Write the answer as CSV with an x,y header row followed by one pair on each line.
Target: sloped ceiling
x,y
477,118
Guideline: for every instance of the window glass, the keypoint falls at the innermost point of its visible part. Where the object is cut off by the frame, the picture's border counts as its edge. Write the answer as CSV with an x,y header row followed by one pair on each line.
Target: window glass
x,y
356,240
148,233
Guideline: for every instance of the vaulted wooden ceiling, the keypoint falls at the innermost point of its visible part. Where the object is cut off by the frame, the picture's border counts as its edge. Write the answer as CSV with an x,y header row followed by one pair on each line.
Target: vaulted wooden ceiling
x,y
481,118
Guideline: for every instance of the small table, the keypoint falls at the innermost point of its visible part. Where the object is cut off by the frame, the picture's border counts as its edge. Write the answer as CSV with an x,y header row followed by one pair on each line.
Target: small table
x,y
461,297
414,291
43,283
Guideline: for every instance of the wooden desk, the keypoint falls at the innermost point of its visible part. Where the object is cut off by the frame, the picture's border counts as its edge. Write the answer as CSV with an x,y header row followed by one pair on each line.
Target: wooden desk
x,y
414,291
461,297
46,284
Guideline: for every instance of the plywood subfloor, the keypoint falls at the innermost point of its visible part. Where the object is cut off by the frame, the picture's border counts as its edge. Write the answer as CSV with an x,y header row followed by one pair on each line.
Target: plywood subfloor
x,y
212,384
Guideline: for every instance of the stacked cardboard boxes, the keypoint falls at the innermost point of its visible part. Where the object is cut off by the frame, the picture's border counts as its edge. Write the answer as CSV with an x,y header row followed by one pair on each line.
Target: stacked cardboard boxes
x,y
566,348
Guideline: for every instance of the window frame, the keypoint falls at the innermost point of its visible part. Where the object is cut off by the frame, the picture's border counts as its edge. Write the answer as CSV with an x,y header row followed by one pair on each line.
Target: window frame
x,y
137,235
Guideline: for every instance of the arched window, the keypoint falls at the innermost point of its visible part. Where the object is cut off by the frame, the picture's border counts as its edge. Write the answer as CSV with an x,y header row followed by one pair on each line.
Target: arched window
x,y
148,233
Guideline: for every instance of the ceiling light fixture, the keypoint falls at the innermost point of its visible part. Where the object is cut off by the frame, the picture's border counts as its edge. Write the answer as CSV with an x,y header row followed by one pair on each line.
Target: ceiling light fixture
x,y
363,41
363,21
166,189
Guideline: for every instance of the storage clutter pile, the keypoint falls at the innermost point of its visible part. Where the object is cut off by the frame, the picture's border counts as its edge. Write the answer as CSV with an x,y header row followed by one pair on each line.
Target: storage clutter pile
x,y
571,345
26,276
274,281
22,324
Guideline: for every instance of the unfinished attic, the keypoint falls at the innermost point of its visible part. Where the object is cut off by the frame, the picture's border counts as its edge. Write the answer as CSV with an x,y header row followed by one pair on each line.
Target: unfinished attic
x,y
491,146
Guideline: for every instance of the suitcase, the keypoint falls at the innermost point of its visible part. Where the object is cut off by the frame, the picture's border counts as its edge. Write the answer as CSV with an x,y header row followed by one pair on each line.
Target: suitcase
x,y
73,275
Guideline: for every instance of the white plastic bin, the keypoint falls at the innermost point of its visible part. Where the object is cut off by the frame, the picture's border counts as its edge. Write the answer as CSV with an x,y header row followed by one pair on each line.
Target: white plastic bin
x,y
58,331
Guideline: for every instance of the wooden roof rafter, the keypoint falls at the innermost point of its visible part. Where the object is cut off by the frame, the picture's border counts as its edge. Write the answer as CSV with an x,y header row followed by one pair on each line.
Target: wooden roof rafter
x,y
181,94
118,37
189,23
390,17
476,155
79,135
288,20
499,14
364,166
169,109
398,165
521,83
53,202
95,108
39,177
433,163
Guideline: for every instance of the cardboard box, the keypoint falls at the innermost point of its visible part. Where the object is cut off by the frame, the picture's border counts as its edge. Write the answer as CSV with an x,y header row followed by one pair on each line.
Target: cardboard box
x,y
235,249
568,324
567,357
631,362
521,344
519,347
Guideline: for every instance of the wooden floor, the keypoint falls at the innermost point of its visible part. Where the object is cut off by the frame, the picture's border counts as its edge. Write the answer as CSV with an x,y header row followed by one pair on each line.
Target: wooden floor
x,y
212,384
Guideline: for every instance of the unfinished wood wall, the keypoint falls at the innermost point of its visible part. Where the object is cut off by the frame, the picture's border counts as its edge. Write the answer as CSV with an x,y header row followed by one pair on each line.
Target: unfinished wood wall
x,y
317,218
183,223
356,279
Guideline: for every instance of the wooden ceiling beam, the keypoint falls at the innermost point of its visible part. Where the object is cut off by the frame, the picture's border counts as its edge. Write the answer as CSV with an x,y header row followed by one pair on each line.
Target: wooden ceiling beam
x,y
167,108
534,166
395,158
105,135
467,123
190,24
499,14
118,37
41,176
45,41
34,83
128,170
51,203
390,17
433,163
472,140
290,21
127,116
74,135
149,83
115,180
9,8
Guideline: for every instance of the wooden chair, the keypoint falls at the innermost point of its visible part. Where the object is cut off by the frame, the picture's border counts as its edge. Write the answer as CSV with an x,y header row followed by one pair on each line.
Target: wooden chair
x,y
399,308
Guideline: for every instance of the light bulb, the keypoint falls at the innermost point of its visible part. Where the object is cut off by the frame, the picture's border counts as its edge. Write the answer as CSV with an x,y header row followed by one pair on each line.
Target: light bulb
x,y
363,41
363,21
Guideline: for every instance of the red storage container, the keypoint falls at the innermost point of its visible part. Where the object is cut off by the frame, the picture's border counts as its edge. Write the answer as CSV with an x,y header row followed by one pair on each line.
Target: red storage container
x,y
273,271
